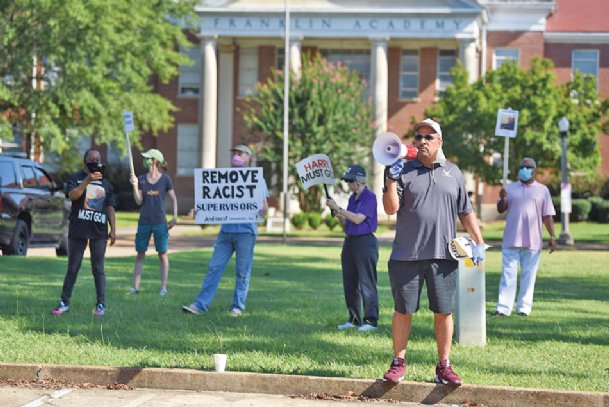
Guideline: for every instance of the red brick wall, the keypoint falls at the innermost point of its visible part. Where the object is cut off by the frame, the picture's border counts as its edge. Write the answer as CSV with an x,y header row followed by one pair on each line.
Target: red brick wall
x,y
530,44
580,15
400,112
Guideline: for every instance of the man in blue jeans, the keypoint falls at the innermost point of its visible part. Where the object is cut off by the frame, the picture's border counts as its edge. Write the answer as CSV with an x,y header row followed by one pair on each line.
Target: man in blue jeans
x,y
238,238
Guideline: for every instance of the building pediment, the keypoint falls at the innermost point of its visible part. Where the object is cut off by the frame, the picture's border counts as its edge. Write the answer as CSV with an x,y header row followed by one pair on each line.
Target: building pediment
x,y
342,19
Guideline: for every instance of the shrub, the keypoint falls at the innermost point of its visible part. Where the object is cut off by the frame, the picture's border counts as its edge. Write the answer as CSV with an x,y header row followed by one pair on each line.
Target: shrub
x,y
580,208
314,220
331,221
299,220
556,203
603,211
594,202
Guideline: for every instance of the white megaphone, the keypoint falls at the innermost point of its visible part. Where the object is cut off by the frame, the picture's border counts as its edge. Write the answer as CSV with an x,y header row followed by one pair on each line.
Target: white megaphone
x,y
388,148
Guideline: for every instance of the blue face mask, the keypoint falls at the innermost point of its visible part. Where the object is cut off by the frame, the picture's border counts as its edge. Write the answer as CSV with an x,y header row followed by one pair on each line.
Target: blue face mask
x,y
525,174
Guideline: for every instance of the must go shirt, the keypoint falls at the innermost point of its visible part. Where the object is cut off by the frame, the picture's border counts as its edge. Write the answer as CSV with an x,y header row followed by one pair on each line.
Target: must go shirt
x,y
430,201
88,216
152,211
527,205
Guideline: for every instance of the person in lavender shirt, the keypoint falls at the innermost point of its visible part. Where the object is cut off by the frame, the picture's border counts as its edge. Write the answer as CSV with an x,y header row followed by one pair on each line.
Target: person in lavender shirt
x,y
528,204
360,252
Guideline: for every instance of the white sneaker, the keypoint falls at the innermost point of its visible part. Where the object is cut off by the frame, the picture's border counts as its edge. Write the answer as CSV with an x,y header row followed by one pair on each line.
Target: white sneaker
x,y
346,325
163,292
366,328
133,291
235,312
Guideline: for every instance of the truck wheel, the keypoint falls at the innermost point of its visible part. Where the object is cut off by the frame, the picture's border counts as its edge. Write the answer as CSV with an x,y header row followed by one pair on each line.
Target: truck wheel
x,y
19,243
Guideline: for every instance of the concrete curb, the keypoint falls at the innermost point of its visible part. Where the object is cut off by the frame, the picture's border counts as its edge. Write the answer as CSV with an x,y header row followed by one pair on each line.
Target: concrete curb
x,y
238,382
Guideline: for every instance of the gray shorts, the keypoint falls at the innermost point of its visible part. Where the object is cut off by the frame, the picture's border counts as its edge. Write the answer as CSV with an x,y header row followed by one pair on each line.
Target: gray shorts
x,y
407,279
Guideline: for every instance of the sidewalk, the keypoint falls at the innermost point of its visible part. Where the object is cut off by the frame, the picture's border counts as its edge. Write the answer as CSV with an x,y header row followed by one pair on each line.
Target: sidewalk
x,y
188,236
303,386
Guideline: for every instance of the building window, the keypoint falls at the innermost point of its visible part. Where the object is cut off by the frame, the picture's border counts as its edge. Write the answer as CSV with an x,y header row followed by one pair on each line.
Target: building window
x,y
190,75
248,70
586,62
409,74
279,59
503,55
447,59
189,149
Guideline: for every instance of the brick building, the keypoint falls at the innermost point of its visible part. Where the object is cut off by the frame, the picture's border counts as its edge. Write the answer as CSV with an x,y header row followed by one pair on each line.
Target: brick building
x,y
404,49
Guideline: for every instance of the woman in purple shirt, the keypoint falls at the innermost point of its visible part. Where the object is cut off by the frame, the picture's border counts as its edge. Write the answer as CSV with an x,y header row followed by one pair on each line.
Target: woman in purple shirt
x,y
360,251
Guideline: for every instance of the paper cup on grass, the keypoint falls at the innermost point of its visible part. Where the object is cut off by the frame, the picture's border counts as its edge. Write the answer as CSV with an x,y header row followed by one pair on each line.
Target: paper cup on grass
x,y
220,362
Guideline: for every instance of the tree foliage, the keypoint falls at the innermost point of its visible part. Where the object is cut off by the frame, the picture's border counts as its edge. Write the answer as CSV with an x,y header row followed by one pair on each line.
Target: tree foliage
x,y
468,115
89,60
328,114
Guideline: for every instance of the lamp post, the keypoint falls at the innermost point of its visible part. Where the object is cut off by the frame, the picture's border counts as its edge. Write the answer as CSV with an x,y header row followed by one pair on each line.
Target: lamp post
x,y
565,188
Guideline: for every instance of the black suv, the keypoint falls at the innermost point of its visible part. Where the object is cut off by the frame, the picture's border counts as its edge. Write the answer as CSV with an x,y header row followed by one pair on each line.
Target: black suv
x,y
33,209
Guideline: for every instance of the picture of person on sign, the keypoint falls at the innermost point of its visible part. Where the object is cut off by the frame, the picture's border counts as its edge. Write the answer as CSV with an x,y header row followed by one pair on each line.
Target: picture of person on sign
x,y
508,122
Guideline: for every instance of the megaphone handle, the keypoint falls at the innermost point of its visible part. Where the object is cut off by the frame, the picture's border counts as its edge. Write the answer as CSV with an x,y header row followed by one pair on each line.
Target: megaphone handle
x,y
328,197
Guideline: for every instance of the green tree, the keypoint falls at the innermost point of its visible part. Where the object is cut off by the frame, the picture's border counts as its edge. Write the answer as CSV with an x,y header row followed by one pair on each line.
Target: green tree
x,y
70,67
328,115
468,115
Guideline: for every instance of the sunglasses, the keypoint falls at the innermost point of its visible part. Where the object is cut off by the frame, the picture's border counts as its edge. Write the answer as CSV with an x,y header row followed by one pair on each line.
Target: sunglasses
x,y
526,166
349,181
428,137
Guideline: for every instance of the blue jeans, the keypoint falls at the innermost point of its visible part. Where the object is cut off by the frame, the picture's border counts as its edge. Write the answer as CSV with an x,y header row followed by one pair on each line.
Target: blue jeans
x,y
225,245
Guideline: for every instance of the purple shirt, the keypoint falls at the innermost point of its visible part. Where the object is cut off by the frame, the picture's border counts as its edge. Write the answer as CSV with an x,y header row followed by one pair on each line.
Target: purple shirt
x,y
527,205
366,205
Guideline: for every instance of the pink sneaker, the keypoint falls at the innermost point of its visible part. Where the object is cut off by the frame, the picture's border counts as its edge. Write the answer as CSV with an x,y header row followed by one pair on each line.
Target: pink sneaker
x,y
61,309
446,375
396,371
100,310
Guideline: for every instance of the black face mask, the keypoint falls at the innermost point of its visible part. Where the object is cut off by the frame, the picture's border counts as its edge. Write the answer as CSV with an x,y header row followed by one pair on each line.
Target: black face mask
x,y
96,167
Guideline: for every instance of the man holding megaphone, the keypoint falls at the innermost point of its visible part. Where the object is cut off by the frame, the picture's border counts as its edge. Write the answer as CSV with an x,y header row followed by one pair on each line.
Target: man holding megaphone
x,y
428,194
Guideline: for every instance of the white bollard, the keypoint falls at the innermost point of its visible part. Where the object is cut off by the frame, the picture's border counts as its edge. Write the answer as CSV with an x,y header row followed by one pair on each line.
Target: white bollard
x,y
471,304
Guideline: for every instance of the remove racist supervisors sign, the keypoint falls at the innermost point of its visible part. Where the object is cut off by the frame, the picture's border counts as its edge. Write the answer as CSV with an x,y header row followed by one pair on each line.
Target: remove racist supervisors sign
x,y
315,169
228,195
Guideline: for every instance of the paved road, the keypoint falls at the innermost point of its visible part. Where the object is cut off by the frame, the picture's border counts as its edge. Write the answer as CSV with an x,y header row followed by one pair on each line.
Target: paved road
x,y
75,397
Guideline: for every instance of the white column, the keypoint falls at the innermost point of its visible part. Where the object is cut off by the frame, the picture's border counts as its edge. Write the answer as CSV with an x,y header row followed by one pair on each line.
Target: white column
x,y
225,103
468,53
380,68
295,58
208,118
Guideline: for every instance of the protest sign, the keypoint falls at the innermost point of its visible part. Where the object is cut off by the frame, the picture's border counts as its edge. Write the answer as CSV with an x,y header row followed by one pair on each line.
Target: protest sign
x,y
229,195
315,169
506,126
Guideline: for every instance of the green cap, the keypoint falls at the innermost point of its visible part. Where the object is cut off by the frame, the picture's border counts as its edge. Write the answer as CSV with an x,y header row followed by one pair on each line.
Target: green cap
x,y
154,153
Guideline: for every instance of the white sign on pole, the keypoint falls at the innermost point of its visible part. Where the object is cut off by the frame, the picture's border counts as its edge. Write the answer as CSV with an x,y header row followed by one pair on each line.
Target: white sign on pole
x,y
128,121
565,198
229,195
507,123
315,169
506,126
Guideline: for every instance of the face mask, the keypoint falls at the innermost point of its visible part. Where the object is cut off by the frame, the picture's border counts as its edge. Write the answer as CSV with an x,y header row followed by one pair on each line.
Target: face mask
x,y
95,167
237,161
525,174
147,163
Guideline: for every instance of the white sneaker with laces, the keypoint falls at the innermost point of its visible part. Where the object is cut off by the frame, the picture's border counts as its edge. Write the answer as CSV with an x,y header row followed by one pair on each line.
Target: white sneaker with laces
x,y
366,328
346,325
235,312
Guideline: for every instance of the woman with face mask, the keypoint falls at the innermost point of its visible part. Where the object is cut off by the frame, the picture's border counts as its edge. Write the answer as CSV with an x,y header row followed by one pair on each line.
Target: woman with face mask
x,y
528,205
237,238
149,191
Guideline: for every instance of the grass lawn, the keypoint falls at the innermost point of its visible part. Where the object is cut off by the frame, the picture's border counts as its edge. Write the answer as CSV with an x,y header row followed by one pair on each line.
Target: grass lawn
x,y
289,326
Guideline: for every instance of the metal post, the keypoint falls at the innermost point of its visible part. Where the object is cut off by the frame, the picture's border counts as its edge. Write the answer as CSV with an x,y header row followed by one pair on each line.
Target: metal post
x,y
565,237
286,105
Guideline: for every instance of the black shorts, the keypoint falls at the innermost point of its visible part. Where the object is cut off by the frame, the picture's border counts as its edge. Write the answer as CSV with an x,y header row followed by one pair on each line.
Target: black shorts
x,y
407,279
